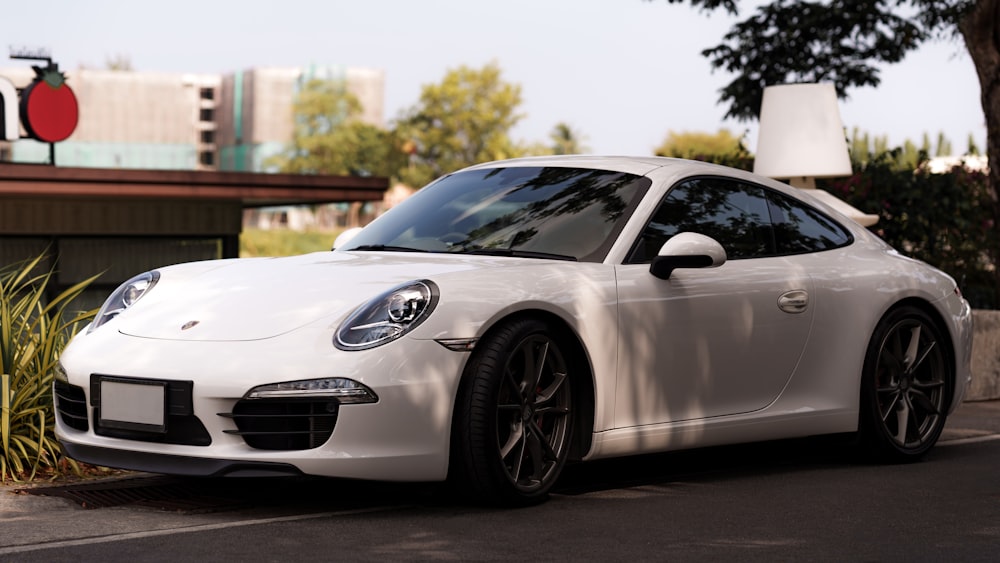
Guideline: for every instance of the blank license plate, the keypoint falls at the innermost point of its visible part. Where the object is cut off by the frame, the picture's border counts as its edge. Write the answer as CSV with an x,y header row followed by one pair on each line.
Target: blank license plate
x,y
134,405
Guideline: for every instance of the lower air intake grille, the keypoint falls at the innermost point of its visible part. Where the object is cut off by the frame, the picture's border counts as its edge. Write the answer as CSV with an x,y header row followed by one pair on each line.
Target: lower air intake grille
x,y
71,404
284,424
181,430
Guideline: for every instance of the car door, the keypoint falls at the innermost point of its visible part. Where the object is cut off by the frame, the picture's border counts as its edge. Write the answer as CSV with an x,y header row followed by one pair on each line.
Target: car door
x,y
714,341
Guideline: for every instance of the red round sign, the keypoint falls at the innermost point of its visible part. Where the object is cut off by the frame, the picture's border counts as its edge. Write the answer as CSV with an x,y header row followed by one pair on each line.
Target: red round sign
x,y
49,110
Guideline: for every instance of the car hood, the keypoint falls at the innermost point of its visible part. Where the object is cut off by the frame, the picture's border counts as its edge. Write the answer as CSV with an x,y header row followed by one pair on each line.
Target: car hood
x,y
253,299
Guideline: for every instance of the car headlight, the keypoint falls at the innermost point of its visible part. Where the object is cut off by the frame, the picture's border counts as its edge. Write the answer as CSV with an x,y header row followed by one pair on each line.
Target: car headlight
x,y
388,316
124,297
343,390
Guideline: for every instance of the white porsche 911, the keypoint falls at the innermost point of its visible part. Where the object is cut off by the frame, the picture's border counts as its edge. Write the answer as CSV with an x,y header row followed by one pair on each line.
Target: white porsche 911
x,y
515,315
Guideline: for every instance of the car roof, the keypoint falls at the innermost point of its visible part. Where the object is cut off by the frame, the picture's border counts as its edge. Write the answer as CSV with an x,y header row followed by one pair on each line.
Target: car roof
x,y
638,165
665,167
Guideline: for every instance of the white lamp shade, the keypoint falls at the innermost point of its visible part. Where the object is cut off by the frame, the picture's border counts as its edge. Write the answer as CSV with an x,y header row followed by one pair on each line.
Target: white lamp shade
x,y
800,133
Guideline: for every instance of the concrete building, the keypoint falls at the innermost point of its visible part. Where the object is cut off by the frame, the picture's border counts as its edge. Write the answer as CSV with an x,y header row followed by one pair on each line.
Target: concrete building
x,y
161,169
254,112
164,121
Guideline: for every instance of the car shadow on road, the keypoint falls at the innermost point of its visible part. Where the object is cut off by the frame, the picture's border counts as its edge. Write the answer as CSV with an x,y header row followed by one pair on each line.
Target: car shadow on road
x,y
710,464
203,495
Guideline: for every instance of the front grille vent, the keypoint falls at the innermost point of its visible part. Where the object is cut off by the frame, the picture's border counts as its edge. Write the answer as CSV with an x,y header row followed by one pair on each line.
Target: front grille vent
x,y
182,430
71,404
284,424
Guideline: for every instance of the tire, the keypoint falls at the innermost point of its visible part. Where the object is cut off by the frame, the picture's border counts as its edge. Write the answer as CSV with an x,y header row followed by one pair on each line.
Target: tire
x,y
906,386
513,417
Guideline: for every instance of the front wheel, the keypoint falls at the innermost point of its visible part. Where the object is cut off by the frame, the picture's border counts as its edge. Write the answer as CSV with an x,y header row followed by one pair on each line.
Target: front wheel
x,y
906,385
513,419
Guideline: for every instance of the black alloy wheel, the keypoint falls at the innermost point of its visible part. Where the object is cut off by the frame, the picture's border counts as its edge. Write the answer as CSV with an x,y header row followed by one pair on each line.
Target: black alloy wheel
x,y
906,385
513,422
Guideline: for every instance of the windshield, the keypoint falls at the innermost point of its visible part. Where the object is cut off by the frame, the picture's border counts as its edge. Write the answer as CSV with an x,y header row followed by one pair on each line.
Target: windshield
x,y
542,212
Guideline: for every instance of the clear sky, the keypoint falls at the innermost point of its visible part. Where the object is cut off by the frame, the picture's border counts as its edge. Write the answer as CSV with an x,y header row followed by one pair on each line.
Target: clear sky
x,y
623,73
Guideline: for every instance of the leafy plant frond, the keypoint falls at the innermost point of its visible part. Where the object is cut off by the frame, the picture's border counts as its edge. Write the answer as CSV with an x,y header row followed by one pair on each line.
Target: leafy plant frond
x,y
34,328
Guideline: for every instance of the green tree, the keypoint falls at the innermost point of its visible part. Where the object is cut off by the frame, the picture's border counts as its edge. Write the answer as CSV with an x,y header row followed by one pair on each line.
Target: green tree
x,y
566,140
863,147
330,138
692,144
907,157
463,120
973,147
721,147
910,157
844,42
925,143
943,146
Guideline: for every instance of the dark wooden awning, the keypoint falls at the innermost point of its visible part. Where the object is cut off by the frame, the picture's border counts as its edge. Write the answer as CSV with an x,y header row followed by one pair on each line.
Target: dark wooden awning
x,y
249,188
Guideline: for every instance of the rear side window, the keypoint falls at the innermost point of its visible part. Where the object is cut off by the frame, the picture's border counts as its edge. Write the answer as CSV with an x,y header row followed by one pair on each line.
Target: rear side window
x,y
799,229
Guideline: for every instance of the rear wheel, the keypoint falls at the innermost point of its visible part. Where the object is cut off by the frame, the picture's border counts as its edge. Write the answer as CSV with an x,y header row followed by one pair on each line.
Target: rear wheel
x,y
513,420
906,386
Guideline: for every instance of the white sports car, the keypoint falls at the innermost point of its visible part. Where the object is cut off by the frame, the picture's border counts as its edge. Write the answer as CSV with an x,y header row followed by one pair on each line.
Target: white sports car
x,y
515,315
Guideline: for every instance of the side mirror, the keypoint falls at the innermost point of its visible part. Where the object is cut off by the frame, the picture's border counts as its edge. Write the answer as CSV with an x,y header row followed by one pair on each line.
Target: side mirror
x,y
345,237
687,250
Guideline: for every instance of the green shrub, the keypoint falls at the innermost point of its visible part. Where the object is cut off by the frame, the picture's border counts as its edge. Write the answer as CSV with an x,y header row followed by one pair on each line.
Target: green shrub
x,y
943,219
284,242
33,331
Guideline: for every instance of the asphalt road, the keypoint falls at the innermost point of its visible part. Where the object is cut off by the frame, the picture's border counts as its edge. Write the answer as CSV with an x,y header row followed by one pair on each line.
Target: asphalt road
x,y
782,501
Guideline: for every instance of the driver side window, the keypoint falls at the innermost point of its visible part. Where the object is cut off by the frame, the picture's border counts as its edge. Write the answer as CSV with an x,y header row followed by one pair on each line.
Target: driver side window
x,y
734,214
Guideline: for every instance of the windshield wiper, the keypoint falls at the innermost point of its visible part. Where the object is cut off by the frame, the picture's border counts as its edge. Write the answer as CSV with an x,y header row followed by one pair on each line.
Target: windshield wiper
x,y
517,253
386,248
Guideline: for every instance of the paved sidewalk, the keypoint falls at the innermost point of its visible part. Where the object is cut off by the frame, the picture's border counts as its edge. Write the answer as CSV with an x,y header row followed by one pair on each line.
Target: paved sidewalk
x,y
973,419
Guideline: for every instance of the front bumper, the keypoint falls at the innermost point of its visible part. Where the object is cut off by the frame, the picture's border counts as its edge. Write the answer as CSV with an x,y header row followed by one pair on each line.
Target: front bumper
x,y
177,465
402,437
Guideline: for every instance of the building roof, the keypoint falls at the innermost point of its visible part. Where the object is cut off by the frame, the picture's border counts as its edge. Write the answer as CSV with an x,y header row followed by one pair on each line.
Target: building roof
x,y
250,189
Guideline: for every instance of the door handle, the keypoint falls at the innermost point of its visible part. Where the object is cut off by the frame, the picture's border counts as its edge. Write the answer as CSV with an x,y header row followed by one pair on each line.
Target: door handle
x,y
794,301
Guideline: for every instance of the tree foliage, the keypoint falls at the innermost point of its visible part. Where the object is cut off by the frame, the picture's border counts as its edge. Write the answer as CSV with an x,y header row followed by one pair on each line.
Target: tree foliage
x,y
721,147
843,42
840,41
973,147
943,219
463,120
566,140
864,148
330,138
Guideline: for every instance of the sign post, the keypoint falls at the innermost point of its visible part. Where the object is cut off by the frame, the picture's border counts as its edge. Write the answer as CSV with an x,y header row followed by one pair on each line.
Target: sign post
x,y
48,109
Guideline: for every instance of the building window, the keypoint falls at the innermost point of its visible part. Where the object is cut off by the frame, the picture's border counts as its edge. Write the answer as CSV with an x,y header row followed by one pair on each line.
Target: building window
x,y
207,93
208,136
206,114
206,158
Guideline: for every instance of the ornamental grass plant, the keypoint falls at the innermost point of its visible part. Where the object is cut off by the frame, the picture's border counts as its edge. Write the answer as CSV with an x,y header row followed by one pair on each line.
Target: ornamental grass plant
x,y
34,328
